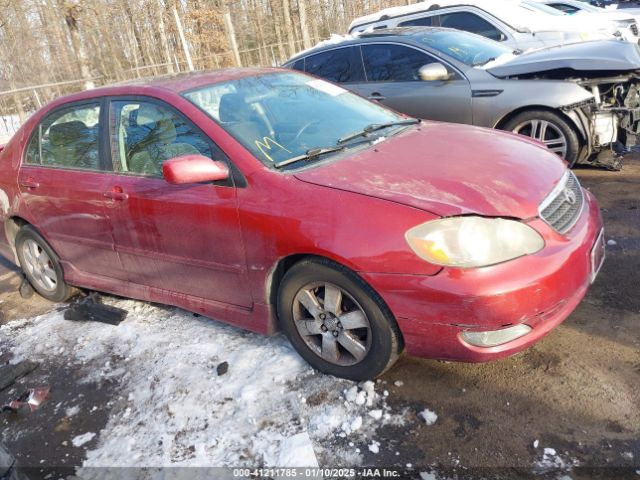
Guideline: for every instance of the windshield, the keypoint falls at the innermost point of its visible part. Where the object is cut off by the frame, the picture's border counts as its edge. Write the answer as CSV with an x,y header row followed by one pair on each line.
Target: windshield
x,y
281,116
469,49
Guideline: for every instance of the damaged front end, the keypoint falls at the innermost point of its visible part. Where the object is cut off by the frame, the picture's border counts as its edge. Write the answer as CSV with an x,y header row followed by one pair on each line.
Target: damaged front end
x,y
615,110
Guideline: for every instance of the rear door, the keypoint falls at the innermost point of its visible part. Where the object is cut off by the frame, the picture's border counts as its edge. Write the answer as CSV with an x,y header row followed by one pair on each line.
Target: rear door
x,y
391,72
185,239
62,180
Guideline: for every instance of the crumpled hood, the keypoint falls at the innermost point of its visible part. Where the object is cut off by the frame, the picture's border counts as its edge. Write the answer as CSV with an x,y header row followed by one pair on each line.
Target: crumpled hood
x,y
605,56
449,169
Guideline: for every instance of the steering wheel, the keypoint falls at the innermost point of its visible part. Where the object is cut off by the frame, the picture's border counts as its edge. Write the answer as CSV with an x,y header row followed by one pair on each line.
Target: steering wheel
x,y
304,128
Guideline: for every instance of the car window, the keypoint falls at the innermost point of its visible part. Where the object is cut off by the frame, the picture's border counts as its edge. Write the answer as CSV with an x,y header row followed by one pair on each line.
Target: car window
x,y
298,65
418,22
470,22
340,65
564,7
393,63
145,134
68,138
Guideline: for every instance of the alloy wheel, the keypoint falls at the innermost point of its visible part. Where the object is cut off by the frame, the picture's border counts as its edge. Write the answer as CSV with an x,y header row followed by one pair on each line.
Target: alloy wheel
x,y
332,324
39,266
547,133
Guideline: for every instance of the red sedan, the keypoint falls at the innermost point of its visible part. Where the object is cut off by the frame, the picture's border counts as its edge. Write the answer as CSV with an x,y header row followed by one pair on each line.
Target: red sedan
x,y
273,200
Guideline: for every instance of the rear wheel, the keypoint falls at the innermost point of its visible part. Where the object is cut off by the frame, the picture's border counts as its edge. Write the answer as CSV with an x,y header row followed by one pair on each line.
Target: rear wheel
x,y
549,128
41,265
336,321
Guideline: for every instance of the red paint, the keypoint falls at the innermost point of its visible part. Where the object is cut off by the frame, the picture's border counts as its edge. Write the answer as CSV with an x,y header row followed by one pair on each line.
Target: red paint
x,y
213,248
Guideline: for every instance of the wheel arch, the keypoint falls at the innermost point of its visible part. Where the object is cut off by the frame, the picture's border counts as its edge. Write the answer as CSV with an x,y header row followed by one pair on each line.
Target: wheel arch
x,y
286,263
12,226
568,118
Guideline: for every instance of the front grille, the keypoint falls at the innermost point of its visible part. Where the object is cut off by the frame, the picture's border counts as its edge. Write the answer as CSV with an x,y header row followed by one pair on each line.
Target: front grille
x,y
634,29
562,207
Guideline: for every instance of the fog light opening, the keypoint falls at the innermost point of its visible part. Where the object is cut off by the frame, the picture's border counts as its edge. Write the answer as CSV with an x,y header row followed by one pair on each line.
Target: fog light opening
x,y
493,338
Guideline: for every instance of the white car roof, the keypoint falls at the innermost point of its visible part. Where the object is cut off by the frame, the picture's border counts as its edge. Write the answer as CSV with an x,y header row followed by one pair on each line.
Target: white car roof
x,y
512,12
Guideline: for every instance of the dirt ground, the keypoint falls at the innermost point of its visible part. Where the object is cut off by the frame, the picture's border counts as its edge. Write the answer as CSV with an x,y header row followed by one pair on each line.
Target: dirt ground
x,y
578,390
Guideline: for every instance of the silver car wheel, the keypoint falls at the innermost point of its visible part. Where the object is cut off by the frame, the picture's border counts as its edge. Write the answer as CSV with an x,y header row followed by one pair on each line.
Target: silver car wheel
x,y
547,133
39,266
332,324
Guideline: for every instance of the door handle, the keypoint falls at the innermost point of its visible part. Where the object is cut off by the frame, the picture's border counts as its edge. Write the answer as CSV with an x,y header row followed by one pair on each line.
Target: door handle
x,y
116,194
29,183
376,96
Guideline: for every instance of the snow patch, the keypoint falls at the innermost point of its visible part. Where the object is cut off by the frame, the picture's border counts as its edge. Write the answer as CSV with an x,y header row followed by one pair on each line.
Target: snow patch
x,y
428,416
173,409
82,439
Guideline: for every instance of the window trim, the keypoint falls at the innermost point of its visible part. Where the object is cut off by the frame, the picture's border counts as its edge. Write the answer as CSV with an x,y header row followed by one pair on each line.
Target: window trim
x,y
236,178
104,161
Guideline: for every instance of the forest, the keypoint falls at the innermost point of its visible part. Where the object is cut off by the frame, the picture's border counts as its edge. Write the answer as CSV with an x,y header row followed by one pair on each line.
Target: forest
x,y
53,47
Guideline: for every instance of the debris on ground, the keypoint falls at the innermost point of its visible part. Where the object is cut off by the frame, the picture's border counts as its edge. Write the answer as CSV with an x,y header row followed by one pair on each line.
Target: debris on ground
x,y
611,242
428,416
33,398
26,290
222,368
9,374
91,309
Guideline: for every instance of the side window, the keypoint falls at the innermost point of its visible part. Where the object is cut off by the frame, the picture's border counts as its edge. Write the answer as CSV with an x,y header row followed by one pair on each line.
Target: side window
x,y
145,134
68,138
393,63
470,22
570,9
418,22
340,65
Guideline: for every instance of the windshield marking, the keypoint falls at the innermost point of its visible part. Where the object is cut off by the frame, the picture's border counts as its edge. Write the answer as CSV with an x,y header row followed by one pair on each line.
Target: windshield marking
x,y
267,143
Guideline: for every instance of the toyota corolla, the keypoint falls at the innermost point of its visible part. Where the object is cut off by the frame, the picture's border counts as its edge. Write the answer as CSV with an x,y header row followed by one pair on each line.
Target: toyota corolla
x,y
272,200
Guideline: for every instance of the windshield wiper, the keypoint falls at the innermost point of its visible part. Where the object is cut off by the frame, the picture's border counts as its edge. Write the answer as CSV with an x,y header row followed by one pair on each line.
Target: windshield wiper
x,y
375,127
309,155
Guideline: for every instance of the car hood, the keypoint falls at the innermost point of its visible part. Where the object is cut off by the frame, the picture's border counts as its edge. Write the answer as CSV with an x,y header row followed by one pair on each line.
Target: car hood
x,y
449,169
606,56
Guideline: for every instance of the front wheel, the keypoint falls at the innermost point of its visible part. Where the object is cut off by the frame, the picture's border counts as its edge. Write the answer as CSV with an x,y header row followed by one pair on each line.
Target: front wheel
x,y
41,265
336,321
549,128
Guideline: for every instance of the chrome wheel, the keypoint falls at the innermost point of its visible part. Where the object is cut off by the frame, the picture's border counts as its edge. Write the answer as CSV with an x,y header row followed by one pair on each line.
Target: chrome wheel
x,y
547,133
332,324
38,266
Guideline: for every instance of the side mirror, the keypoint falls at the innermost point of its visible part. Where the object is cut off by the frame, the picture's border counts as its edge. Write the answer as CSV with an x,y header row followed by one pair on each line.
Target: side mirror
x,y
433,72
193,169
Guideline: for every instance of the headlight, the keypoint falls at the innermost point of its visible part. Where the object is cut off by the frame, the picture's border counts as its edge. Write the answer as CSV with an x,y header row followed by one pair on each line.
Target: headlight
x,y
468,242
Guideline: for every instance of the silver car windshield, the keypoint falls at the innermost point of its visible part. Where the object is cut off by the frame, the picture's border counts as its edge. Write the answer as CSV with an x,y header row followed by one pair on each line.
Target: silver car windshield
x,y
282,116
467,48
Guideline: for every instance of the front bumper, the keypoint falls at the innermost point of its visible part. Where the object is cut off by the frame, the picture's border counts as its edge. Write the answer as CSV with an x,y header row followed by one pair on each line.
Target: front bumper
x,y
539,290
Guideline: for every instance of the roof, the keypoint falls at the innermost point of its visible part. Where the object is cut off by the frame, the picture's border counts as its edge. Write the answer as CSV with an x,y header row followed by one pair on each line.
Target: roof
x,y
398,32
177,83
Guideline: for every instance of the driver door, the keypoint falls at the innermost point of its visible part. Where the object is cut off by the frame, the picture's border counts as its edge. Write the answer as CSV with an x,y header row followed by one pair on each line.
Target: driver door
x,y
392,78
185,239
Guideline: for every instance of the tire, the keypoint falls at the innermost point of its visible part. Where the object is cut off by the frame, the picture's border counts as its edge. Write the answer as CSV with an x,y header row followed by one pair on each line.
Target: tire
x,y
376,345
41,265
556,128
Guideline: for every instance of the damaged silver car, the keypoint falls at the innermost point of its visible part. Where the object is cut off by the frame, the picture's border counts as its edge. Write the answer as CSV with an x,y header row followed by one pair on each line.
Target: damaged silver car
x,y
581,100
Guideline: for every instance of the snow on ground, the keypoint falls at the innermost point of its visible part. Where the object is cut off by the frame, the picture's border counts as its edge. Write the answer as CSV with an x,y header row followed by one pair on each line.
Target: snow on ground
x,y
174,409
